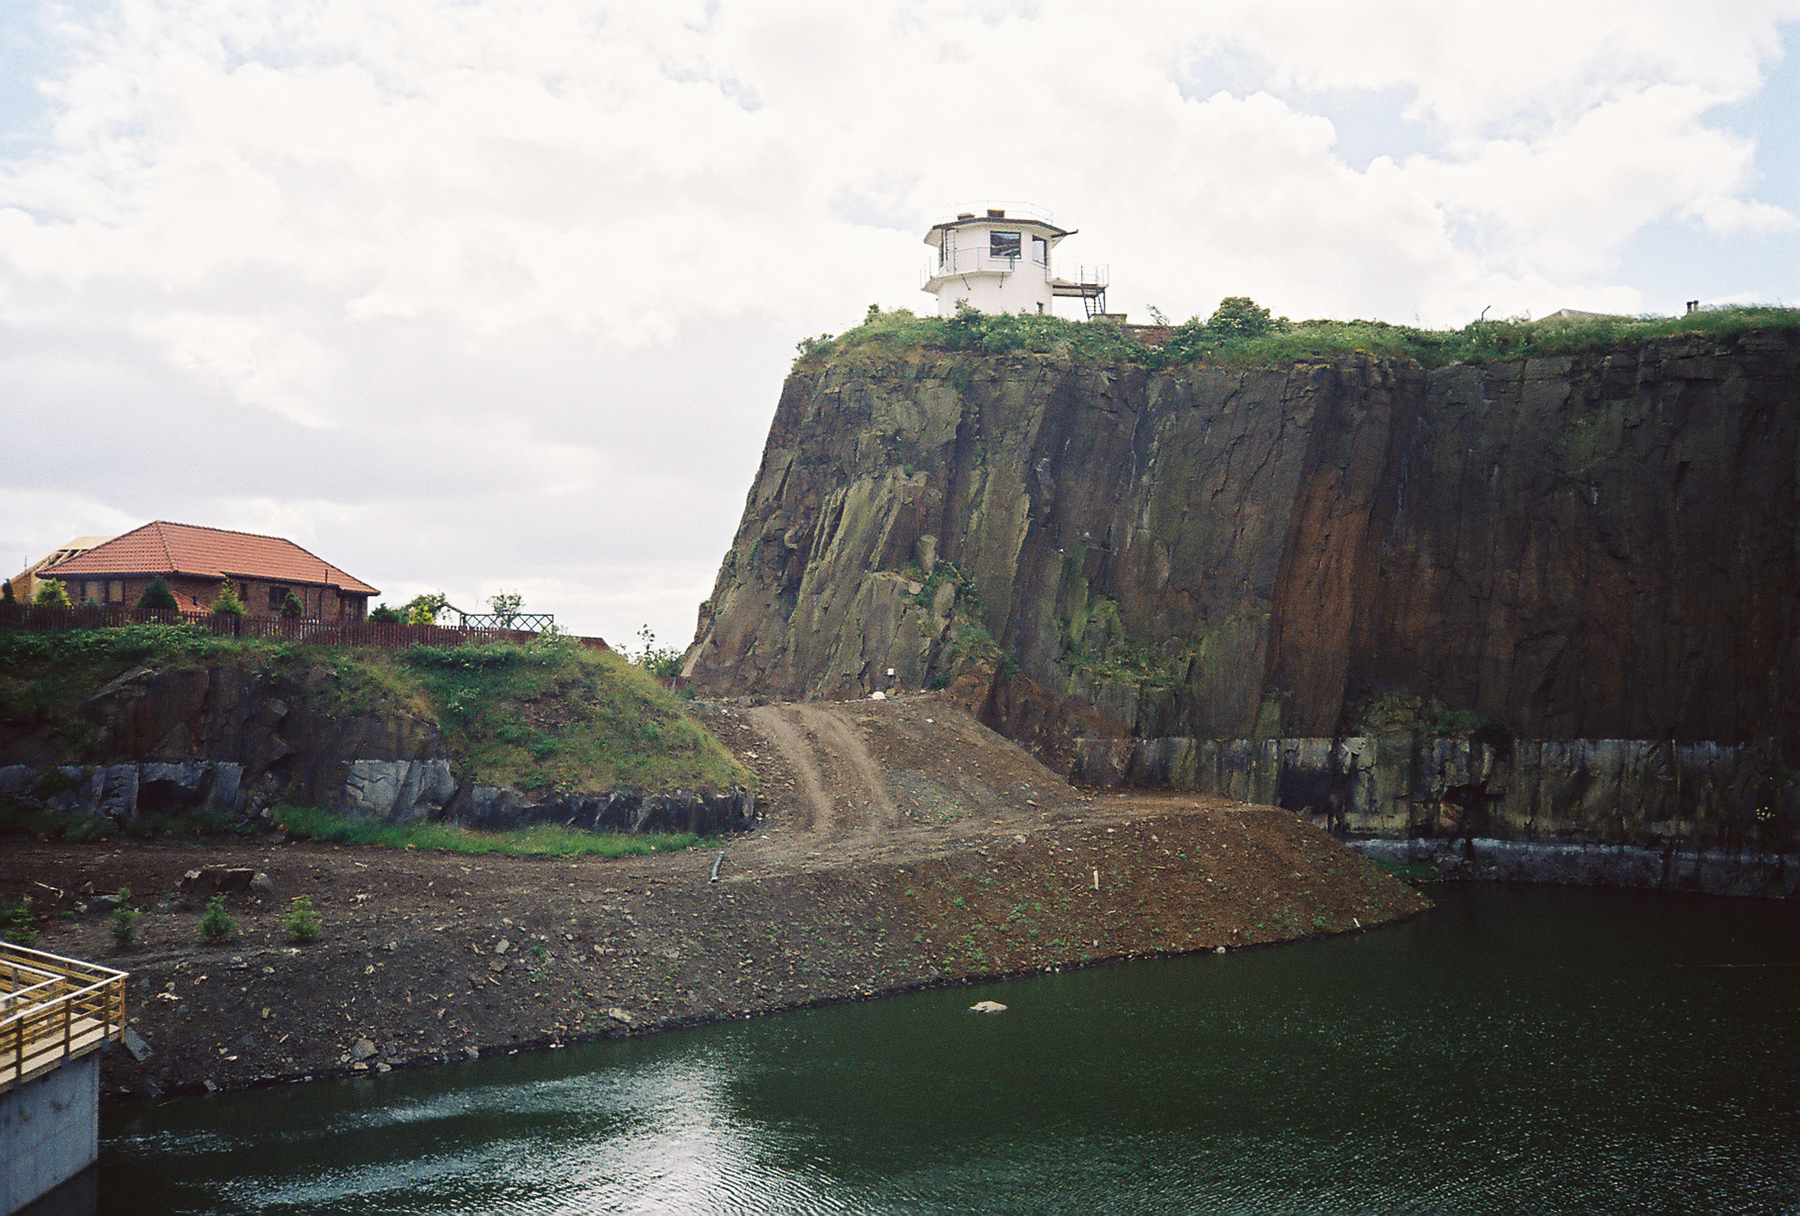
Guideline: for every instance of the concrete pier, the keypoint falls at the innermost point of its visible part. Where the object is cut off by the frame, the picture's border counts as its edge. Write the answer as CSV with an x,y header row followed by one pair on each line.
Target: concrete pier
x,y
49,1131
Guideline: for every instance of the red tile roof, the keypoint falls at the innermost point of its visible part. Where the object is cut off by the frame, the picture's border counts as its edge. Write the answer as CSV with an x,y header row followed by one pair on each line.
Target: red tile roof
x,y
166,548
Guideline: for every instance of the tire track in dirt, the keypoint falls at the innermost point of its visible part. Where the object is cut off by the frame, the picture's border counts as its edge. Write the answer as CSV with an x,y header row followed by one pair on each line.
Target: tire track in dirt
x,y
818,813
843,786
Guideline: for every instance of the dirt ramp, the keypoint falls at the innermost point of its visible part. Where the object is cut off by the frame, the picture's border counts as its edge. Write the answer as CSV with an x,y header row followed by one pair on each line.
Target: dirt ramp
x,y
881,767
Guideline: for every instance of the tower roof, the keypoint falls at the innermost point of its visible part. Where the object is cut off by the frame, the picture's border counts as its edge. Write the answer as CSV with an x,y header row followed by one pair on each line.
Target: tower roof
x,y
1013,215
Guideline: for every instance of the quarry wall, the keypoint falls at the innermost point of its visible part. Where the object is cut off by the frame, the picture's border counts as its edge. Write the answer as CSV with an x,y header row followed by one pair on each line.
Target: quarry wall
x,y
1123,567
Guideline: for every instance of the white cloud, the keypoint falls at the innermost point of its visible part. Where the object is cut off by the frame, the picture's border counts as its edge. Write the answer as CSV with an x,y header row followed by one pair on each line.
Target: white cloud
x,y
480,294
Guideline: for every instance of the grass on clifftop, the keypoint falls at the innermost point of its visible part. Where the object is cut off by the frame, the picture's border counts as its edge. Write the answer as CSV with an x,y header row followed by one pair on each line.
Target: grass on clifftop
x,y
542,715
1236,336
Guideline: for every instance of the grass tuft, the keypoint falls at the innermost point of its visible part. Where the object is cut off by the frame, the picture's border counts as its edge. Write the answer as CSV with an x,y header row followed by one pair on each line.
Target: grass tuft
x,y
542,840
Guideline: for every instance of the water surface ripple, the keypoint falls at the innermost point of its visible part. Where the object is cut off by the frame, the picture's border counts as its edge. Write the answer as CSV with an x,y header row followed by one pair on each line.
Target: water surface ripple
x,y
1522,1050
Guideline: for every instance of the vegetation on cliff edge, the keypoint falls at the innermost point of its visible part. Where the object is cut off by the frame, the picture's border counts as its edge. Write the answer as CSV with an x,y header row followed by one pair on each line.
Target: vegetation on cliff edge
x,y
1241,334
545,715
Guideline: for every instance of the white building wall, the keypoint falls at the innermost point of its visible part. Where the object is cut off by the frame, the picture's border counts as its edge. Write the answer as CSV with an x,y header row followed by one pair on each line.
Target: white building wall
x,y
968,270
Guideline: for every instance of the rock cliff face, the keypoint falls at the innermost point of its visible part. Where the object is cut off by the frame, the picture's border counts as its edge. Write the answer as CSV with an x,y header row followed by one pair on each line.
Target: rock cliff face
x,y
1601,547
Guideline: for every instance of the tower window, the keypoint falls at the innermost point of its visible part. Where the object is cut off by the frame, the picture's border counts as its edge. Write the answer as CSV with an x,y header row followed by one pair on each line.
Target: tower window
x,y
1004,245
1040,250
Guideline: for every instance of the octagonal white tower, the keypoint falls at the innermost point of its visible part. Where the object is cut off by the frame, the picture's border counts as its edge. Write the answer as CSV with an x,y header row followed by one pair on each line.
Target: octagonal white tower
x,y
996,257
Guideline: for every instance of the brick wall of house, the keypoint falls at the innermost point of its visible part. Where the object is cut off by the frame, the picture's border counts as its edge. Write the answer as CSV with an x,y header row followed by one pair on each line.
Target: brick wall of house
x,y
261,597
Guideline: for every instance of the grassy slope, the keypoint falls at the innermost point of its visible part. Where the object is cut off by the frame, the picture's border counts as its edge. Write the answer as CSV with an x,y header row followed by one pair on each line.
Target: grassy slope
x,y
540,716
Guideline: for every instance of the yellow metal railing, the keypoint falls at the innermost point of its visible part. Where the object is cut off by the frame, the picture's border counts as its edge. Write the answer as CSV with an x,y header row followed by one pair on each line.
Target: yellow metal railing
x,y
53,1009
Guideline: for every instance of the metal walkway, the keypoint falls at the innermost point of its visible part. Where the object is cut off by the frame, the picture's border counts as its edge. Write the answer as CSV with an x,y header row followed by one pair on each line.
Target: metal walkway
x,y
53,1009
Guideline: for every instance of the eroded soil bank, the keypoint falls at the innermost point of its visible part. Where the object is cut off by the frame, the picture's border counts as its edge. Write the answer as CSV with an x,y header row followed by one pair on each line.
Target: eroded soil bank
x,y
904,846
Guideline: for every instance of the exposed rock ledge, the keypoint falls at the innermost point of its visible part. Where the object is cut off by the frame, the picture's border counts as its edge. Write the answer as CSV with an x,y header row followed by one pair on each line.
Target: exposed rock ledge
x,y
389,790
1640,792
1701,871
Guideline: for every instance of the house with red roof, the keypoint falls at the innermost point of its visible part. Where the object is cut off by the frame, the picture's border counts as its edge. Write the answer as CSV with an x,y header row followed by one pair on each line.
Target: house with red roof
x,y
196,563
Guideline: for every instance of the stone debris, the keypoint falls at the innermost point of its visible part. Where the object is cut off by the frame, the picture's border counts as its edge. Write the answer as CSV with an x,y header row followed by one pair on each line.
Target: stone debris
x,y
216,880
135,1044
987,1007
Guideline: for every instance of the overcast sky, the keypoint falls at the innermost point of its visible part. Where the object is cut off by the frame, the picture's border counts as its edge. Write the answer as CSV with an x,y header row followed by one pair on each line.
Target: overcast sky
x,y
477,295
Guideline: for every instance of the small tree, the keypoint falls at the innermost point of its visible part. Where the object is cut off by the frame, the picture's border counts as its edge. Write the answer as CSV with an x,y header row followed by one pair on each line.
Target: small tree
x,y
216,924
227,603
658,661
381,614
424,609
124,920
291,607
301,922
6,594
157,597
506,605
52,595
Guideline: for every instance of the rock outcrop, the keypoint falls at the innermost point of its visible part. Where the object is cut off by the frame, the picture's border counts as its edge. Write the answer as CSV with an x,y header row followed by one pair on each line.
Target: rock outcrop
x,y
1596,547
229,742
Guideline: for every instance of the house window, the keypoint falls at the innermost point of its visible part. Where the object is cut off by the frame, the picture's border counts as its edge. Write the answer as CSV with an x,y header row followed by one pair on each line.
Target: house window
x,y
115,591
277,595
1040,250
1004,245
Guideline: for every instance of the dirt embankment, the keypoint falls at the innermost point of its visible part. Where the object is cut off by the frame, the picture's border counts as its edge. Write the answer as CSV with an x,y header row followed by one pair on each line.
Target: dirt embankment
x,y
904,846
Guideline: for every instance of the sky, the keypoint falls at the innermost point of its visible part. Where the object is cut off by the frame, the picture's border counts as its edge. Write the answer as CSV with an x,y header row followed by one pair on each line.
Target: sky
x,y
498,295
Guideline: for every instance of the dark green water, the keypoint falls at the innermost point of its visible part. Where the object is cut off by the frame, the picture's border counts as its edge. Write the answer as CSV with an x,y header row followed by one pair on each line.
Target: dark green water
x,y
1518,1050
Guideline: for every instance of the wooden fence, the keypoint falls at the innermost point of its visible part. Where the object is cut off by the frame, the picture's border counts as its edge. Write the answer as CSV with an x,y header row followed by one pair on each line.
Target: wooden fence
x,y
41,619
53,1009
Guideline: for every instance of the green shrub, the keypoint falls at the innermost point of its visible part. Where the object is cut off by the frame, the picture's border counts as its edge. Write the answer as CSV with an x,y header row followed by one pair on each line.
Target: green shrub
x,y
15,924
216,925
227,602
424,609
662,662
301,922
1241,333
52,595
157,597
381,614
1239,317
291,607
124,920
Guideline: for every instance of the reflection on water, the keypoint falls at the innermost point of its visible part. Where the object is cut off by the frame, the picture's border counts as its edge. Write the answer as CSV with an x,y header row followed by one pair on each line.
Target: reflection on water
x,y
1523,1050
